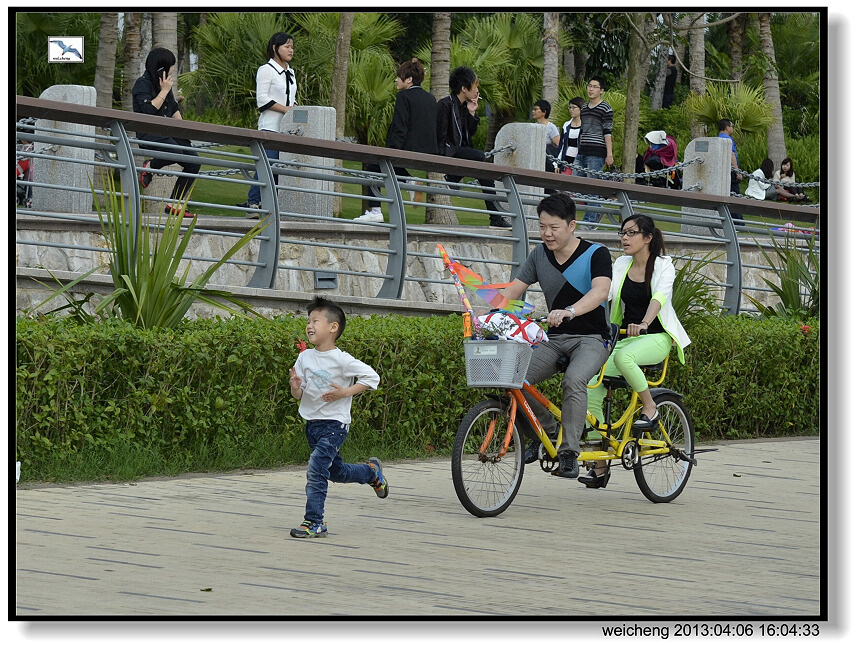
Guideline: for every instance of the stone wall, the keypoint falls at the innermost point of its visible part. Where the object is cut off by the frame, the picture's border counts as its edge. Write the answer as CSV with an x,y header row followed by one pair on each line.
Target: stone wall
x,y
294,287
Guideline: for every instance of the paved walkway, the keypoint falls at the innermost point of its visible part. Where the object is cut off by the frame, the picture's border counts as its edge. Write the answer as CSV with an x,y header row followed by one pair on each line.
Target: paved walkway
x,y
743,539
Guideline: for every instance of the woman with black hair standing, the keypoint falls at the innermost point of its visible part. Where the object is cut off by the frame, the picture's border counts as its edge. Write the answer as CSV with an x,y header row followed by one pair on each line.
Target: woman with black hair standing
x,y
276,95
641,302
153,94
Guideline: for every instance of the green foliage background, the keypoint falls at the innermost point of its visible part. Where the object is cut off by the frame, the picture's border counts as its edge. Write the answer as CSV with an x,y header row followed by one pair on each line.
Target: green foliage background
x,y
214,394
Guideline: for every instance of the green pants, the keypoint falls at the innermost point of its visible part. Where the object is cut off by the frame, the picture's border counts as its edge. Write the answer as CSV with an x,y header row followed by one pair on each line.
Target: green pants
x,y
628,355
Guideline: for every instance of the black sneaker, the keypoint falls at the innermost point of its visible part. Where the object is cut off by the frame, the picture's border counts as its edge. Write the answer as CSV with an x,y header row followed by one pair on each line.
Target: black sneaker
x,y
568,466
497,221
145,177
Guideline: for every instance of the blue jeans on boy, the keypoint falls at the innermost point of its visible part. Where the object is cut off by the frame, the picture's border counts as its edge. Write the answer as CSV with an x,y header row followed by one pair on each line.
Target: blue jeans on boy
x,y
581,165
254,193
325,437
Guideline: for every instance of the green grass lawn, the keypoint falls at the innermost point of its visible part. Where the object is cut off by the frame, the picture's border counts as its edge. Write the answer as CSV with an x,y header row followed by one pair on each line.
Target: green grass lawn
x,y
217,192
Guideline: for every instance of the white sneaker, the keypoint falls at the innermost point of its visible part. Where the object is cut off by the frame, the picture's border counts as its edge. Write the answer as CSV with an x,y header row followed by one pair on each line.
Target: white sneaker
x,y
370,216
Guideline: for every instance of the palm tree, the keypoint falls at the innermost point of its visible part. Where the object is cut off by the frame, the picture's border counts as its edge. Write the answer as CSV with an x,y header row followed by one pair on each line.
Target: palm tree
x,y
697,67
775,134
736,30
440,68
130,56
106,60
338,85
550,57
164,30
341,69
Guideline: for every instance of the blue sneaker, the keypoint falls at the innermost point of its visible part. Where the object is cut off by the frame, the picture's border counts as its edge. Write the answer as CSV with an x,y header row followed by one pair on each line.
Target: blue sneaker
x,y
309,529
380,484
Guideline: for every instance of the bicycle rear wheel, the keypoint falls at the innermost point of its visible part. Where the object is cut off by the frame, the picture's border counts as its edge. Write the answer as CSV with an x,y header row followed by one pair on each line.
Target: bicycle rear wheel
x,y
661,478
486,483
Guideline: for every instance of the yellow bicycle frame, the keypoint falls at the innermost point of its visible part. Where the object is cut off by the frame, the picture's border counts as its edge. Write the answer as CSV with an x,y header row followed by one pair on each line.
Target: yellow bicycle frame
x,y
647,447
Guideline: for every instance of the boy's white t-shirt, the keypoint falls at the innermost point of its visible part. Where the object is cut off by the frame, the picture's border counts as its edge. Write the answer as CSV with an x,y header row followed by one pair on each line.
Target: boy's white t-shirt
x,y
318,370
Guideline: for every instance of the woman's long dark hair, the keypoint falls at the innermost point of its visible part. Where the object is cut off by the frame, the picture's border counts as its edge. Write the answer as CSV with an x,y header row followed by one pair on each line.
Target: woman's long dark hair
x,y
790,163
656,246
159,58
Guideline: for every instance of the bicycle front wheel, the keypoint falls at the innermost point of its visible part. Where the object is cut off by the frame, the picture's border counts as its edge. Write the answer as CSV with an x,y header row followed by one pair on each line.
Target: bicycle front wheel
x,y
661,478
486,481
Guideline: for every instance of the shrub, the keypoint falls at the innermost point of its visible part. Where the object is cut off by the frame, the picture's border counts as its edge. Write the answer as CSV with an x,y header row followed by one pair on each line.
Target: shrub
x,y
214,394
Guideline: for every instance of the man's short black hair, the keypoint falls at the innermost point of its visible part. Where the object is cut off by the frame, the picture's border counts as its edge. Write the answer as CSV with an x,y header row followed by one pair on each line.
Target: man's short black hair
x,y
600,81
332,312
462,77
672,59
723,124
560,205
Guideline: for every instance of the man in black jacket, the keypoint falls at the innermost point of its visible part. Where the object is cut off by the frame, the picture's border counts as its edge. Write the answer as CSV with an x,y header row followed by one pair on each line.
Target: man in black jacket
x,y
413,126
456,122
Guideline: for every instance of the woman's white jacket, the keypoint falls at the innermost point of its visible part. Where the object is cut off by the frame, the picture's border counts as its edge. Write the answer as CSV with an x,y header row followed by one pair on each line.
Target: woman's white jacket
x,y
662,283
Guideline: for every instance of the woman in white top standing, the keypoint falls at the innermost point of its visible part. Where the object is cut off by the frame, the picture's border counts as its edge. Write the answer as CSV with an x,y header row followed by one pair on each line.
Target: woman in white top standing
x,y
276,95
569,140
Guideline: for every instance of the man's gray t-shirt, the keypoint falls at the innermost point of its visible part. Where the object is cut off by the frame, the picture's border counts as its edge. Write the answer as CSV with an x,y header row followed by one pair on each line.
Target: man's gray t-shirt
x,y
541,266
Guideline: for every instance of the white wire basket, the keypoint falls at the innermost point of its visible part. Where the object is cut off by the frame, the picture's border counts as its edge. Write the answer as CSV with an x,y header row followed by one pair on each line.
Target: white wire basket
x,y
496,363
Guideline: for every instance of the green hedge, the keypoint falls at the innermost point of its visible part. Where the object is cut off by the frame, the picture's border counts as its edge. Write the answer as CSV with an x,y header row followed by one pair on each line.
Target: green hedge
x,y
214,394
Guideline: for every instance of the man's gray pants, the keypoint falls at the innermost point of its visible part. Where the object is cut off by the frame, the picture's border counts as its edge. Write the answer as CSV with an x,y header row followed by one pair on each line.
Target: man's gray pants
x,y
587,355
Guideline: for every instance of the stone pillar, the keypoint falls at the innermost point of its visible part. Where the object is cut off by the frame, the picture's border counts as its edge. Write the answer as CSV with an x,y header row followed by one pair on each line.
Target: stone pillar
x,y
64,173
307,121
713,176
529,139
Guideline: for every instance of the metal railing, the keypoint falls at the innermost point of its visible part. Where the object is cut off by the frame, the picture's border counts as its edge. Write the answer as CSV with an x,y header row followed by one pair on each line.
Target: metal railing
x,y
517,193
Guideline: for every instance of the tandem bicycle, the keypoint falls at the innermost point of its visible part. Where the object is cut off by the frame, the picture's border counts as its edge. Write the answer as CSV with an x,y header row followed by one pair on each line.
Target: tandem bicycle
x,y
488,459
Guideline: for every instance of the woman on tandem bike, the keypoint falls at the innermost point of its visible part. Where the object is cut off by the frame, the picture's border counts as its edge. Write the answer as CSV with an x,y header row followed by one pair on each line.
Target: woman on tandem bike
x,y
641,302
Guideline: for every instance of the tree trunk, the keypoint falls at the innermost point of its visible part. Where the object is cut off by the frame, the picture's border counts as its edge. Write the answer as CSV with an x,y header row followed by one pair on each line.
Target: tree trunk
x,y
550,57
130,57
440,69
145,38
697,68
659,78
201,99
680,46
341,69
338,86
775,134
736,29
164,30
637,70
106,60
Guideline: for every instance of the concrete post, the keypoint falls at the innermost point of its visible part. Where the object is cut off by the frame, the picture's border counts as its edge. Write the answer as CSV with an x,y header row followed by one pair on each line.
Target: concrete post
x,y
712,177
529,141
63,173
307,121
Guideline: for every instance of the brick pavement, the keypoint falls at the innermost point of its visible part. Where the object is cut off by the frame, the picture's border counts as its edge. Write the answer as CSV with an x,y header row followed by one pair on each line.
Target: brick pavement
x,y
742,540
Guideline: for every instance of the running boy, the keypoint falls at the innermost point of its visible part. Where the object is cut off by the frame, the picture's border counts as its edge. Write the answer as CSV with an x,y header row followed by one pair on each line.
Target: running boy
x,y
325,379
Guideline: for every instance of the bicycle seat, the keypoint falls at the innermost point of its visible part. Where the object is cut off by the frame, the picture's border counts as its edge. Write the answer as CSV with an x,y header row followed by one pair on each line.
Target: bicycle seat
x,y
618,382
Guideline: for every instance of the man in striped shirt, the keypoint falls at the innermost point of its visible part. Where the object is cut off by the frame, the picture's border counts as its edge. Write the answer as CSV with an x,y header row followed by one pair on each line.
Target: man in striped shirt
x,y
595,137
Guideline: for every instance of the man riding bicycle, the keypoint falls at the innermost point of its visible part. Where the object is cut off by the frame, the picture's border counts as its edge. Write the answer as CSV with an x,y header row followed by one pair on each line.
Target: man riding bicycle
x,y
575,276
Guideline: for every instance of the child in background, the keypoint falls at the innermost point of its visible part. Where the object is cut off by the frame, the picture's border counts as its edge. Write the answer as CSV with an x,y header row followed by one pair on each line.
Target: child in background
x,y
324,380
